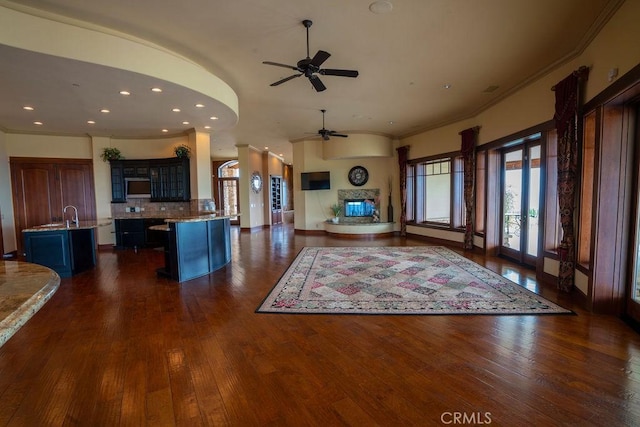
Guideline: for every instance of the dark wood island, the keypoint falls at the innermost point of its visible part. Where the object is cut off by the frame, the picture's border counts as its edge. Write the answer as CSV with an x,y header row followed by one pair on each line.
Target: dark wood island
x,y
195,246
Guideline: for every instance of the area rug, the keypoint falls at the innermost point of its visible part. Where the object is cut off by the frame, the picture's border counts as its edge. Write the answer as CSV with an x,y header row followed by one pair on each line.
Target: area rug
x,y
397,280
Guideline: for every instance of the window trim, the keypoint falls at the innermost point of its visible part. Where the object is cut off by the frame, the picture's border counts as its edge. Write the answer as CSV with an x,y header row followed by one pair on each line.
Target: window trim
x,y
456,200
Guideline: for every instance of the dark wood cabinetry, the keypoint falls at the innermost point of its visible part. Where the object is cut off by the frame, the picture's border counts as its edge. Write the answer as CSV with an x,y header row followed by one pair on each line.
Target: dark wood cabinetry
x,y
276,200
135,233
42,187
67,252
169,178
130,233
118,190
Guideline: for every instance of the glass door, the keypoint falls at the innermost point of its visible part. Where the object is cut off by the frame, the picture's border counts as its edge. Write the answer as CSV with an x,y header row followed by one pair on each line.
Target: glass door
x,y
230,198
632,309
521,182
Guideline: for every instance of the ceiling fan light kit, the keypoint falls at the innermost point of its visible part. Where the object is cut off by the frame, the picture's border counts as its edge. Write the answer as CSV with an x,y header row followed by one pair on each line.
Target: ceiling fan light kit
x,y
310,67
326,134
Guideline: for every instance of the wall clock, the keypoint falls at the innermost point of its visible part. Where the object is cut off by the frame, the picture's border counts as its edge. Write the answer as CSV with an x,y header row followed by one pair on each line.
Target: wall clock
x,y
256,182
358,176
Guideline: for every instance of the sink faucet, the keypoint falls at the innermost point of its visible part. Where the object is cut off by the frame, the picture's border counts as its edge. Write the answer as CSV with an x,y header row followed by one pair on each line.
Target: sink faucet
x,y
74,219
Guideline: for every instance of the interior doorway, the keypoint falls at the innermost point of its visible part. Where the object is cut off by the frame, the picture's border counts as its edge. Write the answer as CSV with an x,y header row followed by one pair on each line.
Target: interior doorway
x,y
226,189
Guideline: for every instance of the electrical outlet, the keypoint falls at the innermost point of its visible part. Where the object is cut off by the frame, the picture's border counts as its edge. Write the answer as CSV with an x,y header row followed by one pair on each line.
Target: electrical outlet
x,y
162,208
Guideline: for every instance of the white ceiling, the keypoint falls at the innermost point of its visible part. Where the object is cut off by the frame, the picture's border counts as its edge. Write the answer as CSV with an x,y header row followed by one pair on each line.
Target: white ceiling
x,y
404,57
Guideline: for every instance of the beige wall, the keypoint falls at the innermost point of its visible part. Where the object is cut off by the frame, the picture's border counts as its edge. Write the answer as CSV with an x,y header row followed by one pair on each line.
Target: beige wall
x,y
6,202
312,208
616,46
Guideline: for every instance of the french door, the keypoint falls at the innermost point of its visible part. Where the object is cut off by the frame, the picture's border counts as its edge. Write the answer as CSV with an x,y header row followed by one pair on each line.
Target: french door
x,y
632,309
521,187
229,198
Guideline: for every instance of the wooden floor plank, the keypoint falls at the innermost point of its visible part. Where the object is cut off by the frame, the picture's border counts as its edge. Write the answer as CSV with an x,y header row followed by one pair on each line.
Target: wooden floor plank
x,y
119,346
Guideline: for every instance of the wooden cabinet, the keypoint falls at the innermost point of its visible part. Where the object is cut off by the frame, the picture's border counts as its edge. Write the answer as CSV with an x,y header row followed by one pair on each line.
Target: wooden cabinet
x,y
276,200
118,190
135,233
42,187
195,249
170,180
130,233
66,252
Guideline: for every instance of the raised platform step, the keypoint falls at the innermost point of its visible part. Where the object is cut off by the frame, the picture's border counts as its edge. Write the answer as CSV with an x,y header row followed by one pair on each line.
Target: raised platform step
x,y
373,229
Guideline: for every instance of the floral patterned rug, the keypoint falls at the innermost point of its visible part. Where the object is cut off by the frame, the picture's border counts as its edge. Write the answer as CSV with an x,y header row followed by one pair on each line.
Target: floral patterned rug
x,y
397,280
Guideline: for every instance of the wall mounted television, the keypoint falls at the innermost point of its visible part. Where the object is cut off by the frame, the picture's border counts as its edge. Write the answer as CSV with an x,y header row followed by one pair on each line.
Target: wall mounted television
x,y
315,180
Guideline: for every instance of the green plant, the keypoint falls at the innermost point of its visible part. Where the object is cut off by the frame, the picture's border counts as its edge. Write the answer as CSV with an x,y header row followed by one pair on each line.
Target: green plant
x,y
110,153
182,151
336,209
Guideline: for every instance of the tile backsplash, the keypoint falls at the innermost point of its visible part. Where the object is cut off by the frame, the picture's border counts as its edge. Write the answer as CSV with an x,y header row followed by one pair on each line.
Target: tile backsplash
x,y
145,208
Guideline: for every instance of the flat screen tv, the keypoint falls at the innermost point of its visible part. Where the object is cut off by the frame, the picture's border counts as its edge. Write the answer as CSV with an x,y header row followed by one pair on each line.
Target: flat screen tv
x,y
315,180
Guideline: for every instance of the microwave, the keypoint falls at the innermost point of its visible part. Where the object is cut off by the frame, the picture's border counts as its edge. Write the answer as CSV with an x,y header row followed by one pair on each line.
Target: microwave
x,y
138,188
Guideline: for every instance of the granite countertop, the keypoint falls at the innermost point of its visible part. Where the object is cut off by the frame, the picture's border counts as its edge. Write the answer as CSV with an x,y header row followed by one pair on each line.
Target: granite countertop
x,y
199,218
63,226
177,217
24,288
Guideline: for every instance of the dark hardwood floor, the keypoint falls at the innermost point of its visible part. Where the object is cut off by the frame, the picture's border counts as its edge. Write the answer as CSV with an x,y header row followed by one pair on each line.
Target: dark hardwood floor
x,y
119,346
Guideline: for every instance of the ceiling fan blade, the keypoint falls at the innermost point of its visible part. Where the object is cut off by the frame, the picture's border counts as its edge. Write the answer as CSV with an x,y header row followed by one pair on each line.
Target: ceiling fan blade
x,y
342,73
317,83
339,134
320,57
277,64
286,79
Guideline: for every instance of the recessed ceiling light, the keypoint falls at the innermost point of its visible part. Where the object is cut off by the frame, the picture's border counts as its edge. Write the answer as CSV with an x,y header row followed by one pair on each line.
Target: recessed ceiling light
x,y
156,89
266,148
207,127
185,123
213,118
199,105
37,123
28,108
447,86
390,122
176,110
105,111
91,122
379,7
125,93
165,130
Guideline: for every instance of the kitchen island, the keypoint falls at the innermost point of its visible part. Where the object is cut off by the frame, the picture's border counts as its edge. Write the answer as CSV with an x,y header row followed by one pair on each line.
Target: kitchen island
x,y
66,249
195,246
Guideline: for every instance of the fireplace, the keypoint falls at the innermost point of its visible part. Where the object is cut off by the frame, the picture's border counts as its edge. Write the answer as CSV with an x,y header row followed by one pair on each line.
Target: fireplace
x,y
358,207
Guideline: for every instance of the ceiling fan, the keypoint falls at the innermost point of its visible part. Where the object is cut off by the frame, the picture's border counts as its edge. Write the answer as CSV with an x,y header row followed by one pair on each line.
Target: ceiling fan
x,y
310,67
326,133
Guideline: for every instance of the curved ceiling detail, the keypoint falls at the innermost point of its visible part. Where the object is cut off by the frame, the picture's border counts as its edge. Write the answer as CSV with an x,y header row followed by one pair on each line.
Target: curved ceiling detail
x,y
122,62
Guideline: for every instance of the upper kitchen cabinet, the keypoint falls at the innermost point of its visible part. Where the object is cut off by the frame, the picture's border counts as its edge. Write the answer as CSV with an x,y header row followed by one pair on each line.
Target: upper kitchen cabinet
x,y
170,180
118,194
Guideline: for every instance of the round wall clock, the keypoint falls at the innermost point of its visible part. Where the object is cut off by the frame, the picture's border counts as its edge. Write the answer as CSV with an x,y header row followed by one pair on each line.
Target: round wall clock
x,y
256,182
358,176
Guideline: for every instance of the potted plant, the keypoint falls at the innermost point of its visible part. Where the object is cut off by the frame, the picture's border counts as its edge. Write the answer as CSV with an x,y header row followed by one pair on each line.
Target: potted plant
x,y
182,151
110,153
336,209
